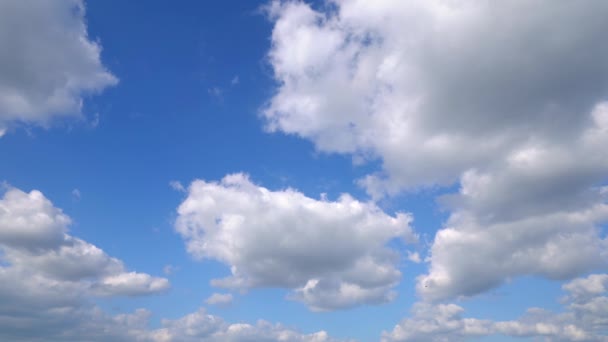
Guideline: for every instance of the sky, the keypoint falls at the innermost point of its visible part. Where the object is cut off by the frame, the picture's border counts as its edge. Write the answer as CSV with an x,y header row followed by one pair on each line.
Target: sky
x,y
332,170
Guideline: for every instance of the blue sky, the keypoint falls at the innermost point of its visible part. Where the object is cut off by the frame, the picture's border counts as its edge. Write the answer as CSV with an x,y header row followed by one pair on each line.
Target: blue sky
x,y
395,171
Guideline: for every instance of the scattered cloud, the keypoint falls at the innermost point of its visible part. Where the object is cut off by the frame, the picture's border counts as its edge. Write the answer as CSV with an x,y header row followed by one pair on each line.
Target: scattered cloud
x,y
216,92
95,121
219,299
47,62
505,99
201,326
169,269
177,186
414,257
76,194
130,284
583,320
331,254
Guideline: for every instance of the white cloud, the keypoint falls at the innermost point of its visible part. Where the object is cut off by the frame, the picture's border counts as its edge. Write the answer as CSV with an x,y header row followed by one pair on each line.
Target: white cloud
x,y
47,275
30,220
130,284
504,97
201,326
94,123
332,254
219,299
47,62
583,320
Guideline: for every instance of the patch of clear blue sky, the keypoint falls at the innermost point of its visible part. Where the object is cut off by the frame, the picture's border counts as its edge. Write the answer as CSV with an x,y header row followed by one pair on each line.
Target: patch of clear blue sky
x,y
176,115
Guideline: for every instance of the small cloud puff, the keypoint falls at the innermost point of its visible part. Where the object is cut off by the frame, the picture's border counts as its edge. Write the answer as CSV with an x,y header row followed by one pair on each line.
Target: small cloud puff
x,y
219,299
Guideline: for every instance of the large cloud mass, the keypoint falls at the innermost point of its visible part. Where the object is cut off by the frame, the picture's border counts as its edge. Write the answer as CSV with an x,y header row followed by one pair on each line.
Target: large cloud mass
x,y
332,253
507,98
47,61
421,83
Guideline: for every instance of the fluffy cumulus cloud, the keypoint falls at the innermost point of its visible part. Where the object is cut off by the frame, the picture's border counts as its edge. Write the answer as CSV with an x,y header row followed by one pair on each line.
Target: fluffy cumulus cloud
x,y
505,98
332,254
47,62
584,319
421,83
48,276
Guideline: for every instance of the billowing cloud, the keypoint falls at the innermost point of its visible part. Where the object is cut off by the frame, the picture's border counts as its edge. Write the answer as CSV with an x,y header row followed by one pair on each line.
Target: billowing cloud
x,y
506,98
47,275
47,62
583,320
47,278
333,254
